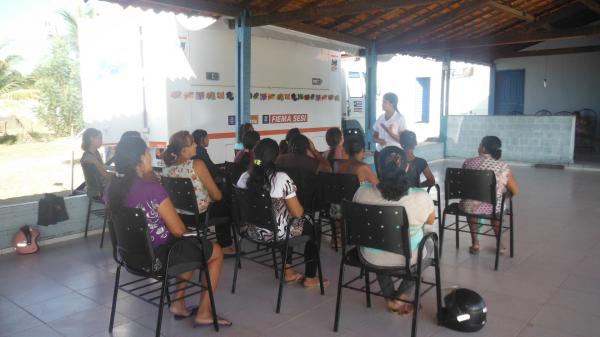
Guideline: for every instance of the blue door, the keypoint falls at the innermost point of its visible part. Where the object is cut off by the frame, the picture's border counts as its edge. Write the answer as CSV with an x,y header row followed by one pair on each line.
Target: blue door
x,y
510,90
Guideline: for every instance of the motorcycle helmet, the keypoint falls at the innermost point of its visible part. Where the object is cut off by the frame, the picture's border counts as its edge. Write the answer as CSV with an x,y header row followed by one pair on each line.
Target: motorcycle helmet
x,y
465,310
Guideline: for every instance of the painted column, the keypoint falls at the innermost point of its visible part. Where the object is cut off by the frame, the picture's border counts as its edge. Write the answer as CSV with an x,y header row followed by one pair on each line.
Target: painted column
x,y
371,95
492,94
242,70
445,101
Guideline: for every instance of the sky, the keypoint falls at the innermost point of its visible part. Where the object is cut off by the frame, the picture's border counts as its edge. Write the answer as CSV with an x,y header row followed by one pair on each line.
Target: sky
x,y
25,24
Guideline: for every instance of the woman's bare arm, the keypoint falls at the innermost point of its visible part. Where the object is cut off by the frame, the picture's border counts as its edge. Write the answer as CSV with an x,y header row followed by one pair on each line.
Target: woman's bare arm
x,y
429,176
167,212
207,180
294,206
512,185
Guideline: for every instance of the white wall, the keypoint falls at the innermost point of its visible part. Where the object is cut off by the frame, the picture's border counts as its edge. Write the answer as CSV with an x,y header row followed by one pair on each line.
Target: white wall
x,y
469,89
573,81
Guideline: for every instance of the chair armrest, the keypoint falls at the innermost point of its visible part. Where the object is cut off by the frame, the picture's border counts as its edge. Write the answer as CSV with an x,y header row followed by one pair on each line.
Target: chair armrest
x,y
436,186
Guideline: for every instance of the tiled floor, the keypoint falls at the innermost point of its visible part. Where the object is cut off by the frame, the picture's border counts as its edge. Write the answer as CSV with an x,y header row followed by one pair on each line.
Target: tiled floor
x,y
551,287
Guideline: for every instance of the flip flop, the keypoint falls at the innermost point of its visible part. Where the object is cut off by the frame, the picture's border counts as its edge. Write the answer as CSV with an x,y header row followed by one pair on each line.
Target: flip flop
x,y
295,279
317,285
211,323
192,310
474,250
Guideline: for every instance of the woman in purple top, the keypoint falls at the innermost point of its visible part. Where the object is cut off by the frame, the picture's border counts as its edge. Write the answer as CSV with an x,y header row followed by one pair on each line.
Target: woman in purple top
x,y
129,189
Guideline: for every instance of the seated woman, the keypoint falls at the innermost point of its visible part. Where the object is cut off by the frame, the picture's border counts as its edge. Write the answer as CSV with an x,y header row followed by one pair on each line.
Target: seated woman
x,y
393,190
201,139
335,139
245,157
284,145
302,156
416,165
239,146
355,147
179,164
490,151
91,141
130,189
262,176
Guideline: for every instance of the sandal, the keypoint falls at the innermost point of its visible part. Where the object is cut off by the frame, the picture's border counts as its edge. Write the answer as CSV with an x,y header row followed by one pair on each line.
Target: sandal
x,y
316,284
192,310
297,277
474,249
220,321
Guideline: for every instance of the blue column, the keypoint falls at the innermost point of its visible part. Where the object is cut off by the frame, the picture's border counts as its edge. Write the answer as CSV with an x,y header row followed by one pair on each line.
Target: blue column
x,y
371,95
242,70
492,94
445,101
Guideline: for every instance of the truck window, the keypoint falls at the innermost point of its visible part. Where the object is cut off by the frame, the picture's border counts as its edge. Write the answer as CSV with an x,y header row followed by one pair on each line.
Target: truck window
x,y
355,84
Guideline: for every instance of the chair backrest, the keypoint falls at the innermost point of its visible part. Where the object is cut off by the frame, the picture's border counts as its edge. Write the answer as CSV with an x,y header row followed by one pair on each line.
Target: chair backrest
x,y
477,185
379,227
233,172
254,210
182,194
306,184
335,187
93,180
131,240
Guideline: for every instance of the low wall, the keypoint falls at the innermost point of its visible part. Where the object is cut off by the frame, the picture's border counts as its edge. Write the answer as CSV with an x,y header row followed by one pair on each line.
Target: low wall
x,y
532,139
13,217
430,151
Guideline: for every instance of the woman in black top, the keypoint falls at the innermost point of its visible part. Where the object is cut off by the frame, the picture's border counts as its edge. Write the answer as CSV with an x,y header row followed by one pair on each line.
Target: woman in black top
x,y
416,165
201,139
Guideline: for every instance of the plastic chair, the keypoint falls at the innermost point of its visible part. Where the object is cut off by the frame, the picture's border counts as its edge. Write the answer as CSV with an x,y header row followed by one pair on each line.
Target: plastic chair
x,y
479,185
93,182
133,251
384,228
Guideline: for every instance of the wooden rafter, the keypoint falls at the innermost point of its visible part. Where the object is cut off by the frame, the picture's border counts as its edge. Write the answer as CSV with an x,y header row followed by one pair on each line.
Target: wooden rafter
x,y
394,21
314,13
433,25
326,33
503,39
591,4
515,12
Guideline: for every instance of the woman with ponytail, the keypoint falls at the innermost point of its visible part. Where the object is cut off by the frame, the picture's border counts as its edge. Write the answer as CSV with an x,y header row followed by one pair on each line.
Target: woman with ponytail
x,y
263,176
335,139
179,164
393,190
91,141
130,189
490,151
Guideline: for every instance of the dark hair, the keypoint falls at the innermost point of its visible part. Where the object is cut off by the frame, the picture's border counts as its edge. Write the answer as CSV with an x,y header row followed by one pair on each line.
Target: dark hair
x,y
299,144
284,145
263,169
393,183
243,129
408,140
392,98
354,145
127,157
493,146
86,137
333,137
388,153
131,133
177,142
199,136
250,139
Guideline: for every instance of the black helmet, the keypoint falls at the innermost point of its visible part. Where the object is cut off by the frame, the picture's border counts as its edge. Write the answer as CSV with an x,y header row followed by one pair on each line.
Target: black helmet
x,y
465,310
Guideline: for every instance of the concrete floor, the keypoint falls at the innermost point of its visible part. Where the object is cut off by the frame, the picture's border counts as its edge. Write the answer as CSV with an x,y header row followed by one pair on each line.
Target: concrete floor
x,y
551,288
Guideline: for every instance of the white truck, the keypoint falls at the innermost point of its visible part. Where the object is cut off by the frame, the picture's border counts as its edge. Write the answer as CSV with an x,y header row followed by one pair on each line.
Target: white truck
x,y
153,75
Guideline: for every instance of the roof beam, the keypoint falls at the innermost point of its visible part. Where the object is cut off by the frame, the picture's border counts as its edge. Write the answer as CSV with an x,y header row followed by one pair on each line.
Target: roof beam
x,y
326,33
543,52
315,13
187,5
431,26
517,13
276,5
376,28
503,39
591,4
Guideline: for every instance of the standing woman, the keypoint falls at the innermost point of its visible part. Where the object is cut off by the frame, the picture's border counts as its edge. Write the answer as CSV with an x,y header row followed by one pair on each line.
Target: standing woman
x,y
387,128
179,164
130,189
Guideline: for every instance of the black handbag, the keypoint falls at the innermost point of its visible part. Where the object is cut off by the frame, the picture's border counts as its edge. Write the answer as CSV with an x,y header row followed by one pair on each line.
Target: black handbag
x,y
51,210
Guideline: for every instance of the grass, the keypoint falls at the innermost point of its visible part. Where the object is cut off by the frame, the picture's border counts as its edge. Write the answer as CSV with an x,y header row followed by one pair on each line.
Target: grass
x,y
38,167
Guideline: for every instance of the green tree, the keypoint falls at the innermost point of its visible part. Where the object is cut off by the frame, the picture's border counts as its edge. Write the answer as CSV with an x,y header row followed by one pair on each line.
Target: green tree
x,y
13,85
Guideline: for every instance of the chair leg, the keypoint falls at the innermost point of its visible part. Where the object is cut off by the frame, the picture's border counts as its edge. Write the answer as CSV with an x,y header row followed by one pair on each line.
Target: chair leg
x,y
161,304
441,231
237,262
281,279
87,217
438,285
368,288
498,241
114,300
211,297
512,231
275,261
103,227
457,233
334,235
319,271
338,300
413,331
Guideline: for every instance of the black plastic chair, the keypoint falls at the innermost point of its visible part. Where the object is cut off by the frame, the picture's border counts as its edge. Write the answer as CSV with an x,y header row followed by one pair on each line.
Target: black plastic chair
x,y
182,195
306,184
384,228
437,202
479,185
132,249
93,183
332,189
258,211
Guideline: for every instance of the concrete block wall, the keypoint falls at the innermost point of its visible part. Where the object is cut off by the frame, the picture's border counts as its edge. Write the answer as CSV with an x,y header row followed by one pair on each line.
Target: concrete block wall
x,y
13,217
531,139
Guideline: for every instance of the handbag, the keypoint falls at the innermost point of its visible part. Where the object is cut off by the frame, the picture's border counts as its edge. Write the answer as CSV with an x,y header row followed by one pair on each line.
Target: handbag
x,y
51,209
